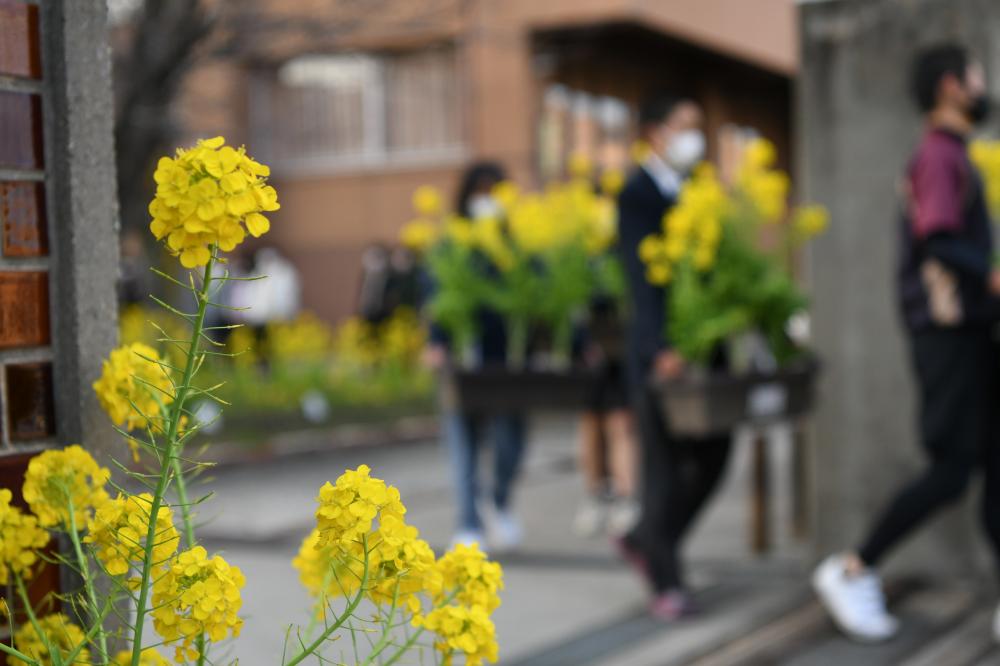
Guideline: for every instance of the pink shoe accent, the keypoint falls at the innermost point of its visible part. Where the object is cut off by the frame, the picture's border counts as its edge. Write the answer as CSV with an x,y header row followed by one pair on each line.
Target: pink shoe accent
x,y
671,606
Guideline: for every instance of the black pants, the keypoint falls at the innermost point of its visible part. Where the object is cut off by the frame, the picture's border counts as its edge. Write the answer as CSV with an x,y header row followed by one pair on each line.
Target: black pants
x,y
956,372
678,476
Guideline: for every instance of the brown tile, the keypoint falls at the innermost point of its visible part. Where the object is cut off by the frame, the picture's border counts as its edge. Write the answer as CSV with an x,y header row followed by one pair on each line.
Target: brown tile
x,y
22,219
30,411
20,130
24,309
20,52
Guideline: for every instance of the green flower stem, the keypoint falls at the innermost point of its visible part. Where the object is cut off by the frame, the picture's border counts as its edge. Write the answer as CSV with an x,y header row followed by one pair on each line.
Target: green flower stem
x,y
8,650
517,342
88,581
168,464
346,615
562,342
386,637
412,640
26,600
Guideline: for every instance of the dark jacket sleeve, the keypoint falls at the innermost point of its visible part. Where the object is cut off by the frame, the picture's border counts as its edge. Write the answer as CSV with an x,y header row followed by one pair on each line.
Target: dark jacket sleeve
x,y
638,217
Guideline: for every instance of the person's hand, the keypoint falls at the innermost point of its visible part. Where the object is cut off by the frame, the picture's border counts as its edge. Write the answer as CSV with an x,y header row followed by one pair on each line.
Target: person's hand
x,y
668,365
994,282
434,357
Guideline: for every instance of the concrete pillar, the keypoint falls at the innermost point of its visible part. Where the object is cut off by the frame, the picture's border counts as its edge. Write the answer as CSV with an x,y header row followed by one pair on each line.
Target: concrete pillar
x,y
857,126
83,223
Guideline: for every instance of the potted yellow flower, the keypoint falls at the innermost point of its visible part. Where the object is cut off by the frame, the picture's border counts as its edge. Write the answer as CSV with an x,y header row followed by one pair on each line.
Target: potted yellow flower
x,y
733,297
536,265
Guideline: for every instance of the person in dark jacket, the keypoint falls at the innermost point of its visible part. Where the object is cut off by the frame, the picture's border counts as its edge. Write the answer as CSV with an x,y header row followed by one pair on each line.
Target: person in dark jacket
x,y
464,433
947,294
678,475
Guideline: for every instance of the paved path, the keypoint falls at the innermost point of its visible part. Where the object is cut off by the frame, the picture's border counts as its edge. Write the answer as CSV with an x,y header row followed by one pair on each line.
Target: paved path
x,y
569,600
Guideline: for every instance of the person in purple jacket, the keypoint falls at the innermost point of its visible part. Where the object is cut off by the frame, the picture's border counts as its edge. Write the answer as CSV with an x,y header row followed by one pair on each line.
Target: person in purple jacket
x,y
947,290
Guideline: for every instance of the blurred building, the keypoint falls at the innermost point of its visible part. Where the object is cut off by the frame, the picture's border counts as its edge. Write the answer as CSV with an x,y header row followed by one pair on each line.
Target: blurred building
x,y
356,103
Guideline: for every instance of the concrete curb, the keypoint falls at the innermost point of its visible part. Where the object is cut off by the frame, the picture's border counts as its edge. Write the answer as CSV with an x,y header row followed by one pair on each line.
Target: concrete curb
x,y
322,440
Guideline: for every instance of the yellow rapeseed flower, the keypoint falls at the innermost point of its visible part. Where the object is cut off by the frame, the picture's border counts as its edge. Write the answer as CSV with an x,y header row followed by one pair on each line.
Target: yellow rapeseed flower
x,y
506,193
194,595
811,220
118,531
986,156
210,195
133,387
612,182
348,507
305,338
580,165
466,573
427,201
20,540
419,235
60,633
465,630
148,657
56,477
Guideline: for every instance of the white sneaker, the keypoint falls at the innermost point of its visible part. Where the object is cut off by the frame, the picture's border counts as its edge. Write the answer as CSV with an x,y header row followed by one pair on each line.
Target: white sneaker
x,y
590,517
623,516
855,603
506,532
469,537
996,625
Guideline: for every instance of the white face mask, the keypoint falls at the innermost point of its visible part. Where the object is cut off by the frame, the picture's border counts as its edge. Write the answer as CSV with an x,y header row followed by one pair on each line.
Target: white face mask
x,y
483,206
685,149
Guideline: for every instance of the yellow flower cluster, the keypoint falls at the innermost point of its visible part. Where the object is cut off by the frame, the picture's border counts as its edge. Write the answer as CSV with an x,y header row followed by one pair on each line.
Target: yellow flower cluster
x,y
468,577
118,531
133,387
532,223
419,235
55,478
148,326
306,338
359,512
400,563
210,195
60,633
195,595
20,540
148,657
355,342
241,345
427,201
463,629
692,229
986,156
346,509
403,337
811,220
765,187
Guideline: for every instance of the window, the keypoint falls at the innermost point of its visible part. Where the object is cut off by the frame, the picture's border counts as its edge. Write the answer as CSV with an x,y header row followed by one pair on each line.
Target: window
x,y
354,110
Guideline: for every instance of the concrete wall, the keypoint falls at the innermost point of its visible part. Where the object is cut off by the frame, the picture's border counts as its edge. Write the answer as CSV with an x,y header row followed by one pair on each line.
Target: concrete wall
x,y
857,126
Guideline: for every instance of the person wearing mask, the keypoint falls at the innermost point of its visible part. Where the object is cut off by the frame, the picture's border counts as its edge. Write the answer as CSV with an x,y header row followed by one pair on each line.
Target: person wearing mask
x,y
947,293
464,433
678,474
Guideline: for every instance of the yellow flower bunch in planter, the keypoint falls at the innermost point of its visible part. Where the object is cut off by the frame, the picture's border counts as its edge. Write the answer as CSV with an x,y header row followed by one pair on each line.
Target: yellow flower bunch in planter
x,y
144,581
536,264
723,280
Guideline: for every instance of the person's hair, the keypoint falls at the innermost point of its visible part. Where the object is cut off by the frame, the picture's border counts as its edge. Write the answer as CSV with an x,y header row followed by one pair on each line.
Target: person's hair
x,y
930,66
476,177
656,108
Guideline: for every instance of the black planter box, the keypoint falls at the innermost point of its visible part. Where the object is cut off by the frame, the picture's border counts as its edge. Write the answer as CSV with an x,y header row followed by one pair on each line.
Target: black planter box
x,y
499,390
711,404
